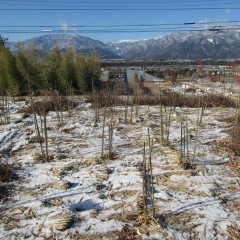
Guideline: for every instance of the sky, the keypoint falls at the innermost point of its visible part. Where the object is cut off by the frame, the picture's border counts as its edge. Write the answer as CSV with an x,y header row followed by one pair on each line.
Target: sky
x,y
109,20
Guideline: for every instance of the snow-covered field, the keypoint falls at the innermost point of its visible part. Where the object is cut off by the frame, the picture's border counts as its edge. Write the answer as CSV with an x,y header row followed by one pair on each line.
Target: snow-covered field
x,y
76,195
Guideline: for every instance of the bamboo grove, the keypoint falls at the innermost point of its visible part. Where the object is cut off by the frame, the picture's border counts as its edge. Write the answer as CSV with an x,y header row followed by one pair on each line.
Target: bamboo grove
x,y
31,70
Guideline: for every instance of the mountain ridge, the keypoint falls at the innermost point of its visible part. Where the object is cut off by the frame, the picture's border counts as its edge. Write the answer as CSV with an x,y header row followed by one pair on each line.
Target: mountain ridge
x,y
184,45
81,44
191,45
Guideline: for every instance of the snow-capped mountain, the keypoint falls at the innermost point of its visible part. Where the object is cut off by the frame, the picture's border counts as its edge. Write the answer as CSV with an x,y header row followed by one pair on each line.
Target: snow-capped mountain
x,y
215,44
183,45
85,45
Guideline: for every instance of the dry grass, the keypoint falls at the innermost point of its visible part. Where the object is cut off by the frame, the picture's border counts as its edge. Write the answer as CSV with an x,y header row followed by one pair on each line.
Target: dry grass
x,y
104,98
175,99
235,143
231,145
234,233
6,172
168,98
228,119
109,235
38,158
49,105
4,191
128,233
192,90
192,101
184,221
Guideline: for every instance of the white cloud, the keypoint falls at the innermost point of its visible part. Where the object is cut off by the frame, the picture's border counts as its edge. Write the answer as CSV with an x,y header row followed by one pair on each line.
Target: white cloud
x,y
64,25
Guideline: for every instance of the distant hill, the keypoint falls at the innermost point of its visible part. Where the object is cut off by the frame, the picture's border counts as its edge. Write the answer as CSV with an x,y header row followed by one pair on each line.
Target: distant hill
x,y
213,45
85,45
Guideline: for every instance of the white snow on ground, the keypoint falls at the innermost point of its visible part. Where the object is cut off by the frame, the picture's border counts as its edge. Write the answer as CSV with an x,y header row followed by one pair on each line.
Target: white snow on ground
x,y
102,196
210,40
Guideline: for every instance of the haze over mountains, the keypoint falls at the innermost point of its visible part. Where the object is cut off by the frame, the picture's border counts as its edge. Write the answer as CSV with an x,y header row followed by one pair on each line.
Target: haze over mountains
x,y
215,45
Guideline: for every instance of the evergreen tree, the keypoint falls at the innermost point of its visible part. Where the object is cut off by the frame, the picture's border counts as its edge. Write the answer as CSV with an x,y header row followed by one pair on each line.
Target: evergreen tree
x,y
2,41
56,70
79,65
54,59
8,82
92,71
31,70
67,75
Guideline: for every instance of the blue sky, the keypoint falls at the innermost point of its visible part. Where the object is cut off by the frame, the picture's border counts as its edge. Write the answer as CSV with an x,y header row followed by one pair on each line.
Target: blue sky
x,y
164,16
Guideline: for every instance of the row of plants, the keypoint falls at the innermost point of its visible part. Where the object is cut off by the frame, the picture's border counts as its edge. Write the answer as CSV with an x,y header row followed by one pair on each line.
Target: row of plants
x,y
168,98
30,70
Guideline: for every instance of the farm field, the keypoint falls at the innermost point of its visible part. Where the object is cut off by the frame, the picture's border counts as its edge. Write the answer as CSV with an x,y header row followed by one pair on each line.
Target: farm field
x,y
121,172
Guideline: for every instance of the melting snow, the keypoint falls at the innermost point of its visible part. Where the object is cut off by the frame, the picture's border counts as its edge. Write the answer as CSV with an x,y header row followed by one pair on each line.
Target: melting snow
x,y
102,197
210,40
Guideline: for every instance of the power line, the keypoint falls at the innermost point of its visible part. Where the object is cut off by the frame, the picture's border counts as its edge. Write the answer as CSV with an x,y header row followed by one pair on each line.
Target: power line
x,y
120,9
121,25
116,4
237,27
159,4
167,27
104,1
129,5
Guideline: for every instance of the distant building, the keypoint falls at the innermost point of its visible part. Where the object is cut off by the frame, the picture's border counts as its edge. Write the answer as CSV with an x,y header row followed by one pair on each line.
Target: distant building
x,y
104,76
130,74
141,75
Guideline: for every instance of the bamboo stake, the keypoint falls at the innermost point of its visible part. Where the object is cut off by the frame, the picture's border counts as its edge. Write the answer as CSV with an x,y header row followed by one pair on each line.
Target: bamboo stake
x,y
151,172
144,184
104,122
45,133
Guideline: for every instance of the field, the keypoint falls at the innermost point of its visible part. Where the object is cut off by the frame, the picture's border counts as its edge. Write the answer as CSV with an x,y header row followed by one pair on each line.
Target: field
x,y
130,170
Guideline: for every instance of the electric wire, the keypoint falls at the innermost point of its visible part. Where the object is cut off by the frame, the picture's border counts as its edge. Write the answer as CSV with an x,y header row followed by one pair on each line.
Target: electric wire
x,y
103,2
187,26
215,29
118,5
120,9
150,4
128,25
185,5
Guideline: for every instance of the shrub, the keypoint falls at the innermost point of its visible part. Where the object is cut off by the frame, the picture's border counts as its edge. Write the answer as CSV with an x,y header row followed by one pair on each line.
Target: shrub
x,y
6,172
235,144
104,98
41,106
170,99
4,191
174,99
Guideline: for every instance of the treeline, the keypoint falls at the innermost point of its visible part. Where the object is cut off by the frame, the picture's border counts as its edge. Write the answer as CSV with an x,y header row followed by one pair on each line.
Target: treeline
x,y
31,70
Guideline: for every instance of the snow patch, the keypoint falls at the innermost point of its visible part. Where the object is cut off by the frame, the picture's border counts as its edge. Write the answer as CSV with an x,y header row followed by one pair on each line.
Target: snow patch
x,y
210,40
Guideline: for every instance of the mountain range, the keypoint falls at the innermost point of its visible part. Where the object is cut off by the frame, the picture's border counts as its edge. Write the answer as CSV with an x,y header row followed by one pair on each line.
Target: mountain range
x,y
192,45
84,45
